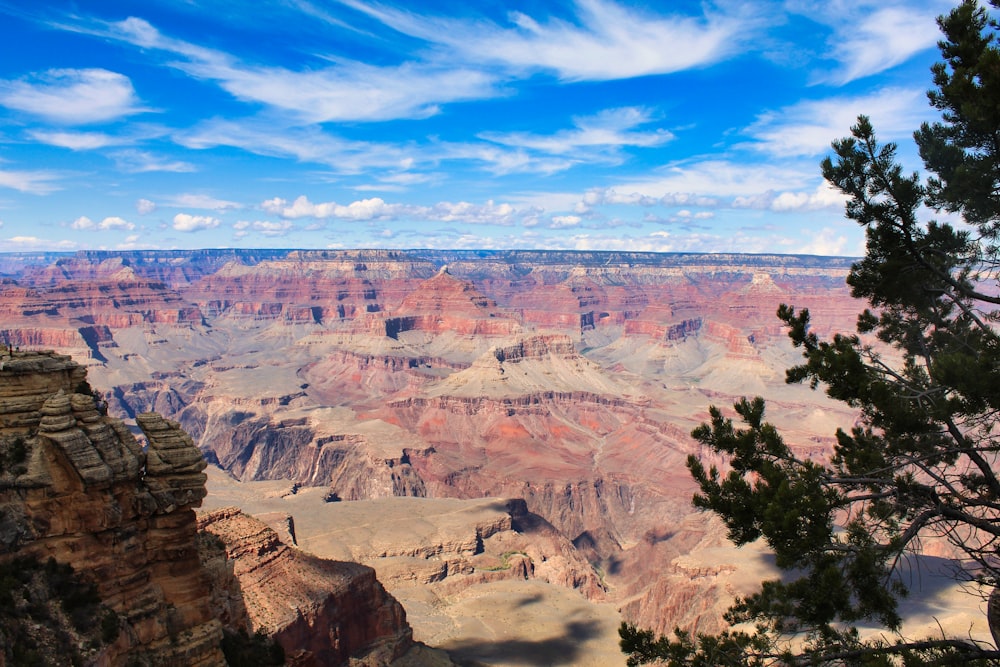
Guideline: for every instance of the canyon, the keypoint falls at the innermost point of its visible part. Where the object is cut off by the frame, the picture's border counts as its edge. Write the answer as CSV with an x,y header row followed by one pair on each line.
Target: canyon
x,y
500,430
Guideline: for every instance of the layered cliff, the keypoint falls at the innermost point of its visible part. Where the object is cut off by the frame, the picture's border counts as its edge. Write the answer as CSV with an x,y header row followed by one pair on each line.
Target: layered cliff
x,y
322,612
115,521
77,487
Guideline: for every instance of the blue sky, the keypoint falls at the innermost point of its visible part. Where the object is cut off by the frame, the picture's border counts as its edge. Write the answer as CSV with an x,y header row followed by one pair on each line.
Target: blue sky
x,y
587,124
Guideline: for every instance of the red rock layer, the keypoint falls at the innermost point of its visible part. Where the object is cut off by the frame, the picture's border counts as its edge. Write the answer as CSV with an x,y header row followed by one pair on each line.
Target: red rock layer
x,y
445,303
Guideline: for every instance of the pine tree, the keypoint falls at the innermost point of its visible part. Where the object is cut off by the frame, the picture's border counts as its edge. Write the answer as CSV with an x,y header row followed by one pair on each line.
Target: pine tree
x,y
923,371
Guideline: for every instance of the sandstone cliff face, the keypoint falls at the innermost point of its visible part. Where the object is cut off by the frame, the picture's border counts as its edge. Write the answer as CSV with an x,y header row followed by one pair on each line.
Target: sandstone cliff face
x,y
76,486
322,612
87,495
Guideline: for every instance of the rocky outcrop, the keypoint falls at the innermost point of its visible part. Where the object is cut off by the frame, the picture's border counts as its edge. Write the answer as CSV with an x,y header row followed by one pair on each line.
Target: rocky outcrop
x,y
76,486
535,347
322,612
256,448
85,493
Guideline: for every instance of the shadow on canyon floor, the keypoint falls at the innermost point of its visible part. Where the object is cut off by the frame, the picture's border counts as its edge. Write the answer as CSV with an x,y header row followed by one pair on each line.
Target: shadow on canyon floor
x,y
565,649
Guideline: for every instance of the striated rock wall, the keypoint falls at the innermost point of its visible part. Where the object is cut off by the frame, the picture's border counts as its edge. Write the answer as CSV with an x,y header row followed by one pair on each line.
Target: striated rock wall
x,y
86,494
536,347
76,486
256,448
322,612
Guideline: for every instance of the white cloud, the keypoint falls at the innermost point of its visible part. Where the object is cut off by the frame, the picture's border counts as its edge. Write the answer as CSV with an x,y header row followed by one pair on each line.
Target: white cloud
x,y
608,41
610,128
83,223
306,145
826,242
138,162
365,209
825,196
72,96
610,196
131,242
200,201
78,141
489,213
145,206
565,221
687,199
114,222
704,182
711,184
501,161
377,209
395,162
264,227
685,214
871,37
808,127
184,222
32,182
348,90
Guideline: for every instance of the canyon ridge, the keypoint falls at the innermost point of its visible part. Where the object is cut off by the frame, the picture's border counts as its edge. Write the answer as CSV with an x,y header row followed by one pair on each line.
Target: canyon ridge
x,y
501,435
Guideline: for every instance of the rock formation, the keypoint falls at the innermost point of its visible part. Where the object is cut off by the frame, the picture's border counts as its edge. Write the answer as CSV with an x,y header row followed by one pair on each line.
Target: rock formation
x,y
86,494
322,612
78,488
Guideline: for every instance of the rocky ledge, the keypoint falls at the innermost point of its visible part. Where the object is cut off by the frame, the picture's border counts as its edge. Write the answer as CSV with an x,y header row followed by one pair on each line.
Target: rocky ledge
x,y
78,489
322,612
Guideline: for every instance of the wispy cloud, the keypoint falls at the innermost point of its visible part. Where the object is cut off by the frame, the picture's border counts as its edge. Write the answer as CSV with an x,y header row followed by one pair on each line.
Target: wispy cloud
x,y
884,39
720,180
75,140
200,201
308,144
78,141
21,242
31,182
606,41
375,208
72,96
611,128
346,90
707,184
393,163
134,241
137,162
808,127
827,241
871,37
